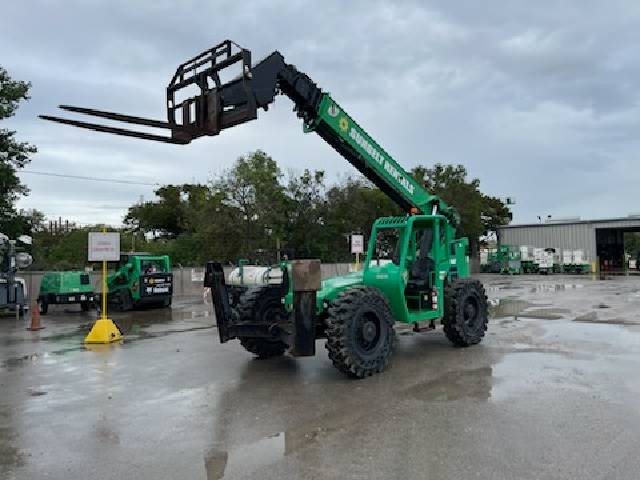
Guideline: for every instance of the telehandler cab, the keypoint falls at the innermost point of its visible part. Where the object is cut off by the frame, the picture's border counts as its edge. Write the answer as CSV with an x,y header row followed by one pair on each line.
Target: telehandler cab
x,y
416,269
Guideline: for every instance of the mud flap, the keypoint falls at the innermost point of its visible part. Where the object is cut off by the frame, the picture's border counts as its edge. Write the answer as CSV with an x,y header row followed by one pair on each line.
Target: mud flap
x,y
214,279
306,282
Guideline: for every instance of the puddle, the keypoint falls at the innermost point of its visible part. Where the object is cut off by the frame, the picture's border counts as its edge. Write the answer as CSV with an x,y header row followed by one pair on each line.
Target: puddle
x,y
587,317
245,460
530,371
507,307
512,307
456,385
592,317
555,287
547,313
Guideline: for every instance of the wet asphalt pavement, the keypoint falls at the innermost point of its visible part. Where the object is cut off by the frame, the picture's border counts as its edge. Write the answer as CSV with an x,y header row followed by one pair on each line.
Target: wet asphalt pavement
x,y
552,393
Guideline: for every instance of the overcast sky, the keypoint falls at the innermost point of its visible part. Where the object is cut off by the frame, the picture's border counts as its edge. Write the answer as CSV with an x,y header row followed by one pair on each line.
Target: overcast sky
x,y
538,101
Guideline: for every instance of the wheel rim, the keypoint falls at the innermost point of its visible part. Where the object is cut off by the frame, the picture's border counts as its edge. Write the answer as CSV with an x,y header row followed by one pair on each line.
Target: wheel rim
x,y
368,333
471,312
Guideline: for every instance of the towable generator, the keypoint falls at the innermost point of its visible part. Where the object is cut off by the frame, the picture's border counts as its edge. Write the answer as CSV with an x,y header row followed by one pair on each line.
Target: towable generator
x,y
66,288
416,269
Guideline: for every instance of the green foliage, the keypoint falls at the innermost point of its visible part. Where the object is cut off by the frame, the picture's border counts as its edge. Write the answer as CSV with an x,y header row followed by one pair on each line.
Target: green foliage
x,y
13,155
479,213
256,201
632,244
306,234
352,207
62,251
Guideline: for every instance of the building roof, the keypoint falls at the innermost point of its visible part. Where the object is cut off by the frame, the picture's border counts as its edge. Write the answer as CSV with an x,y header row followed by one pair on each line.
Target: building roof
x,y
573,221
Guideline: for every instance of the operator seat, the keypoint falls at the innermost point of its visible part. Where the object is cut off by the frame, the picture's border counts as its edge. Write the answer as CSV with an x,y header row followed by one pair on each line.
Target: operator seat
x,y
423,266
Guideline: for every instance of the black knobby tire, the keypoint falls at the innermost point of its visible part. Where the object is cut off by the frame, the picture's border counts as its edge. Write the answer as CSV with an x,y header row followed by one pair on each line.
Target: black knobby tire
x,y
360,334
262,305
466,312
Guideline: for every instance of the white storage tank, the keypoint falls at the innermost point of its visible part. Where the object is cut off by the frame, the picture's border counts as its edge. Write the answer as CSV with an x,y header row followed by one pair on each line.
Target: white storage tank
x,y
254,275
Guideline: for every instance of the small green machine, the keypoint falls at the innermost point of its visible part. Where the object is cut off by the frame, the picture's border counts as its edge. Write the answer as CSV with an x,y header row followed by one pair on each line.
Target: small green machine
x,y
508,257
416,270
66,288
140,279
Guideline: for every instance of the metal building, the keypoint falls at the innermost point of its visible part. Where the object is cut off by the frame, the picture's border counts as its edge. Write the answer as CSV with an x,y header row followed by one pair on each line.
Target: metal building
x,y
602,240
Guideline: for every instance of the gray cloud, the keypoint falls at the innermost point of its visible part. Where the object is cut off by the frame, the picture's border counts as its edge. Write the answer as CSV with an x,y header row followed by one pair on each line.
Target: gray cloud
x,y
540,103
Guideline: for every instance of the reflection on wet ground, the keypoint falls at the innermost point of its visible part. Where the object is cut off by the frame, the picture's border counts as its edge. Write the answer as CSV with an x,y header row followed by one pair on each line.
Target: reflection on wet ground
x,y
247,459
554,287
456,385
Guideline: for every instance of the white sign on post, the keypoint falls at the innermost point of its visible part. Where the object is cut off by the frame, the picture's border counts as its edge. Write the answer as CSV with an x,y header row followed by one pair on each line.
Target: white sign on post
x,y
104,246
357,243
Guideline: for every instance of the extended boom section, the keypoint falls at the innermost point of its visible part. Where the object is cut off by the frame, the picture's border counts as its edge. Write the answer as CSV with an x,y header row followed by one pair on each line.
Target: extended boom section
x,y
224,100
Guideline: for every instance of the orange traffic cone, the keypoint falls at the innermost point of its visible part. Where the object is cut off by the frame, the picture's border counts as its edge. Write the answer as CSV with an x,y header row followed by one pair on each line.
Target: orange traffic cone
x,y
35,317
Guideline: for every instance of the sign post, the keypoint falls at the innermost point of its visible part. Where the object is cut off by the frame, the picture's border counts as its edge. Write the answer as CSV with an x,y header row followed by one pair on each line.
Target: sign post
x,y
103,247
357,247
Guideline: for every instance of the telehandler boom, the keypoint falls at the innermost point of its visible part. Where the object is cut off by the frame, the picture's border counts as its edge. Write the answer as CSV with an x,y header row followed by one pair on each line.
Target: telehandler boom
x,y
416,270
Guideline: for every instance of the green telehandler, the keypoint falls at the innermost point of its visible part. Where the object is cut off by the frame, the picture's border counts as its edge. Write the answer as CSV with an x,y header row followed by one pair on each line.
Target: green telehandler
x,y
416,269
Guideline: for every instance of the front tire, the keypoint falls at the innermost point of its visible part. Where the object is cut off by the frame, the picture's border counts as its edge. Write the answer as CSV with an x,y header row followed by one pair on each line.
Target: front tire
x,y
465,312
262,305
44,306
360,334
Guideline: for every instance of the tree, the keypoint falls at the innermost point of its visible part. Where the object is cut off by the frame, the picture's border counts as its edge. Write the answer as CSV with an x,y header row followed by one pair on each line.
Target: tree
x,y
172,214
632,244
479,213
253,191
13,155
306,234
352,207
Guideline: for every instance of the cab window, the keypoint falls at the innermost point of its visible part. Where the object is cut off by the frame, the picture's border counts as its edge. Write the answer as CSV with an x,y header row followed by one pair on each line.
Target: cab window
x,y
151,266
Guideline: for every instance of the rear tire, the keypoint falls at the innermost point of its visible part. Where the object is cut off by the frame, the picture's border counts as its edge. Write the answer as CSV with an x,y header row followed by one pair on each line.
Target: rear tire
x,y
360,334
465,312
262,305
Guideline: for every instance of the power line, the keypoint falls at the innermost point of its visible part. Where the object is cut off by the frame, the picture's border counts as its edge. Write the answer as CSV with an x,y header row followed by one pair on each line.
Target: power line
x,y
93,179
